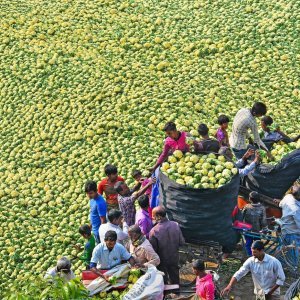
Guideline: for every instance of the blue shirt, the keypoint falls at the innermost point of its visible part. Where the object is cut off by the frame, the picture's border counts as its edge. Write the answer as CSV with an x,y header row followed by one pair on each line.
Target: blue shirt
x,y
97,210
109,259
272,136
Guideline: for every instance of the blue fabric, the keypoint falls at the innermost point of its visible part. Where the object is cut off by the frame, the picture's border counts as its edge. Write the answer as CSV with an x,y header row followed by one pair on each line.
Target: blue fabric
x,y
97,209
97,237
155,190
239,153
293,254
109,259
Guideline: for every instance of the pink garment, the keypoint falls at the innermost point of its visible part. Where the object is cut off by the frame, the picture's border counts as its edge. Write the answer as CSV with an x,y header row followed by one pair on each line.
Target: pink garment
x,y
205,287
149,189
172,145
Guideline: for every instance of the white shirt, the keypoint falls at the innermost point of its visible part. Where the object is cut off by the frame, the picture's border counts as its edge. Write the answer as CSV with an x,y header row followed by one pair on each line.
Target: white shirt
x,y
265,274
290,215
53,272
242,122
121,234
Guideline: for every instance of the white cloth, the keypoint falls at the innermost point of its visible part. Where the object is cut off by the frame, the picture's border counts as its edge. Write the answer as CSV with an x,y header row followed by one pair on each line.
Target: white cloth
x,y
242,122
290,215
53,273
265,274
121,234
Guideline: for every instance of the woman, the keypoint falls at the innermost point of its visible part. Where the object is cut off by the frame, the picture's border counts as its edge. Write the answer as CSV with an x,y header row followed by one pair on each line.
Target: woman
x,y
176,140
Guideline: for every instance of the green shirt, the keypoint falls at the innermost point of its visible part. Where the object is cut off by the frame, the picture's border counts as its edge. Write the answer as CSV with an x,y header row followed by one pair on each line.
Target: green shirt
x,y
88,250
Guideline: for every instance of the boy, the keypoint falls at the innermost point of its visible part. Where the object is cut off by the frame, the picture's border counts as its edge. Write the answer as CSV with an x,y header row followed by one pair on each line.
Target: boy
x,y
106,186
126,199
207,144
254,214
273,133
176,140
97,208
85,231
221,134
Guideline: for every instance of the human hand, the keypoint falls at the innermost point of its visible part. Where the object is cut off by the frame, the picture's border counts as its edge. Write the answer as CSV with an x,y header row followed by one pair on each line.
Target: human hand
x,y
153,180
257,157
249,153
226,290
276,201
77,247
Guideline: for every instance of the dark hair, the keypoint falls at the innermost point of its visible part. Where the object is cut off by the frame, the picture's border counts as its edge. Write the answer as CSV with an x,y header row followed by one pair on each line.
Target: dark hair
x,y
199,265
267,120
143,201
254,197
136,173
170,126
110,235
258,245
118,186
85,229
135,229
259,108
113,214
90,186
110,169
222,119
202,129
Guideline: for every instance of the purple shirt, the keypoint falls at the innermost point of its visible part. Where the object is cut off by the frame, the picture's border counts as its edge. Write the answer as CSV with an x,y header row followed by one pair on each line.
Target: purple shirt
x,y
220,135
143,220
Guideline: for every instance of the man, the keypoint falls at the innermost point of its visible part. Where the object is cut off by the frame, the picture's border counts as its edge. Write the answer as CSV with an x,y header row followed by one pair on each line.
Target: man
x,y
207,144
243,121
142,217
62,270
86,233
166,237
254,214
126,199
141,249
110,253
114,221
106,186
290,220
97,208
267,274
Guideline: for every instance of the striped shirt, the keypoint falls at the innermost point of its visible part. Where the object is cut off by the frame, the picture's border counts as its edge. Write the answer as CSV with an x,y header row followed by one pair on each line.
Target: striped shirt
x,y
242,122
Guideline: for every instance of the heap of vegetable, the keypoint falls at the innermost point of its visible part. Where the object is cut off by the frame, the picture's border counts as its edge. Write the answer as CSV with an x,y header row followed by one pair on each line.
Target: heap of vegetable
x,y
199,171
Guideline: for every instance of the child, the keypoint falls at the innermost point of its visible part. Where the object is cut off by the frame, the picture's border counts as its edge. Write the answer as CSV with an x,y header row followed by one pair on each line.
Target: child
x,y
254,214
98,208
207,144
85,231
141,182
175,140
106,186
205,288
221,134
272,133
126,199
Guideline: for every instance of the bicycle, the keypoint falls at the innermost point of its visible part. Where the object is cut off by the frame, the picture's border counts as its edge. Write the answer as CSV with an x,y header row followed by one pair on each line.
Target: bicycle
x,y
275,246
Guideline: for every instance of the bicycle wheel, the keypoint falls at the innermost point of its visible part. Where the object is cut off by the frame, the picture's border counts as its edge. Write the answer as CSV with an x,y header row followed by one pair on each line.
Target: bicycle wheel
x,y
186,258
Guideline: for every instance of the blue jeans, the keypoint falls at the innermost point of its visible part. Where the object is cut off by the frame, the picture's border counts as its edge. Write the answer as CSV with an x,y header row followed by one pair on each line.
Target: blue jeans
x,y
97,237
293,254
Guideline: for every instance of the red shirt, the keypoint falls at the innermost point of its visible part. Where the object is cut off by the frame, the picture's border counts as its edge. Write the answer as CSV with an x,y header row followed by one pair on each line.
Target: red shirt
x,y
107,188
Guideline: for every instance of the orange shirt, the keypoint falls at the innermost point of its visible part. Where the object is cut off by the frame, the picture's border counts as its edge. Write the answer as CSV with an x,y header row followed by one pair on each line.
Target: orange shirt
x,y
107,188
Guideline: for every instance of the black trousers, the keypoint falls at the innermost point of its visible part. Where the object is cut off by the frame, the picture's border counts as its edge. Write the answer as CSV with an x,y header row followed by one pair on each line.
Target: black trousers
x,y
171,273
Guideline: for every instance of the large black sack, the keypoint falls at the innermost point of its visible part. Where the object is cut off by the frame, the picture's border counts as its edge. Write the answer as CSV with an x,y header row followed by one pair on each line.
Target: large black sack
x,y
203,214
274,181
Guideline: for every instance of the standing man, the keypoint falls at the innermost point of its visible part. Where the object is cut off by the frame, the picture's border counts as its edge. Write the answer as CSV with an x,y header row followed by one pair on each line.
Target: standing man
x,y
267,274
290,219
97,208
142,217
166,237
243,121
